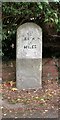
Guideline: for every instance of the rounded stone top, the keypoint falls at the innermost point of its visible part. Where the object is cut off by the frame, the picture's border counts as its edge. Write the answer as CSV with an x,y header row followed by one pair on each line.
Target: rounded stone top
x,y
29,24
29,41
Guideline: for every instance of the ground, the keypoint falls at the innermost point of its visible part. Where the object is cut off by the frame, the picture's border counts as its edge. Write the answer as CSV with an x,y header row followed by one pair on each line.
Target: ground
x,y
40,103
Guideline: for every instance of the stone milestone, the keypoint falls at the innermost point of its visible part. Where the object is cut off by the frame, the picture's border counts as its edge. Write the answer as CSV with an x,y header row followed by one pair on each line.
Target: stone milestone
x,y
29,56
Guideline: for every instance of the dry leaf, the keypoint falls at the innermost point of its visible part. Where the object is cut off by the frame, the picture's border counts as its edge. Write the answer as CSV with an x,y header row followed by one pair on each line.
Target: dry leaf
x,y
14,89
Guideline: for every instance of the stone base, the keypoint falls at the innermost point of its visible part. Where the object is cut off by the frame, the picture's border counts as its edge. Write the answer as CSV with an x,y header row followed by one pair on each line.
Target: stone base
x,y
28,73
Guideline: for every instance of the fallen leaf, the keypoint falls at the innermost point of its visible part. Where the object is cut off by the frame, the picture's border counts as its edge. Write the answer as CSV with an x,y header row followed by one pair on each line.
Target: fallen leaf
x,y
4,114
14,89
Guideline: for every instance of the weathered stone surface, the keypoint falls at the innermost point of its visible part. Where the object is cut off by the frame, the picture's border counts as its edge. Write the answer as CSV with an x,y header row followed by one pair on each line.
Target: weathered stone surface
x,y
29,56
29,73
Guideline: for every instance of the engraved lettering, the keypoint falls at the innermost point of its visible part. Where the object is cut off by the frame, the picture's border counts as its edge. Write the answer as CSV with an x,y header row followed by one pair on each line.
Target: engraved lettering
x,y
33,46
30,47
25,46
